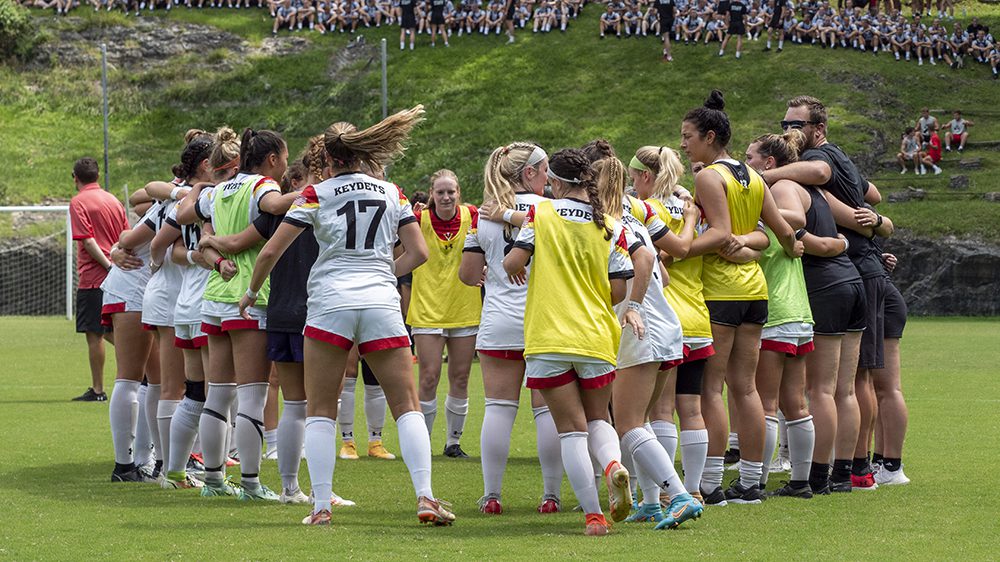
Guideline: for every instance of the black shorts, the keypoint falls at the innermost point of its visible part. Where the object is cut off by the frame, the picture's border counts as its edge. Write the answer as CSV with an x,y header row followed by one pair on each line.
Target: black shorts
x,y
737,28
839,309
285,347
88,311
409,19
872,344
437,16
689,377
775,20
734,313
895,312
509,15
367,375
666,20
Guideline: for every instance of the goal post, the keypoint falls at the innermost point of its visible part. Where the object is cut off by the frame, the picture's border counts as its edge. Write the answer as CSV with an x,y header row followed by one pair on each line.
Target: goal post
x,y
37,267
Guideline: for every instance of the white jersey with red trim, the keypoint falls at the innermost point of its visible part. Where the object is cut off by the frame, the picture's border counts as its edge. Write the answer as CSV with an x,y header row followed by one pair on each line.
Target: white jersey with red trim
x,y
501,324
129,286
160,297
355,219
194,277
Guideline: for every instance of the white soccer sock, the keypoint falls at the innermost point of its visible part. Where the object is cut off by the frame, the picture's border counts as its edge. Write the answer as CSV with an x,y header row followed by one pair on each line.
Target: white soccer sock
x,y
149,412
694,450
123,411
375,411
183,430
345,411
650,455
455,410
666,433
734,440
498,423
750,473
782,434
291,436
321,458
603,443
770,439
164,413
429,410
711,478
547,443
415,446
629,463
214,429
271,440
250,431
143,447
801,441
576,461
231,449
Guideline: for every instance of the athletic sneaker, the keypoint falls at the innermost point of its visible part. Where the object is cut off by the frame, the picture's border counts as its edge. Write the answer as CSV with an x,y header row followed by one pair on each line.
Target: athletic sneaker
x,y
271,455
619,493
791,490
349,451
430,510
841,487
780,464
866,482
715,497
293,496
186,482
738,494
226,488
322,517
232,460
377,449
597,525
455,452
490,505
682,508
91,396
651,512
338,501
132,475
550,504
732,457
195,467
261,492
886,477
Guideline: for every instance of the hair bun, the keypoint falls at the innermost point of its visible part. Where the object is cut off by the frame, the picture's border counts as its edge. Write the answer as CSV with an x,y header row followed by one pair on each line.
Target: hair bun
x,y
715,101
225,134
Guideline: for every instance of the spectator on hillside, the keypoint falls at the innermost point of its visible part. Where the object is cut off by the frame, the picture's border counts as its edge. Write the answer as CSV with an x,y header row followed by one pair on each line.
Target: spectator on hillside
x,y
975,27
909,150
926,124
932,155
610,21
97,219
958,131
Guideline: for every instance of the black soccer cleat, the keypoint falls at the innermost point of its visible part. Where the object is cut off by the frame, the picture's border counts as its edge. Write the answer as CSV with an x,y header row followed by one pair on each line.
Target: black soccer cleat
x,y
455,451
841,486
793,490
715,497
732,457
131,475
91,396
738,494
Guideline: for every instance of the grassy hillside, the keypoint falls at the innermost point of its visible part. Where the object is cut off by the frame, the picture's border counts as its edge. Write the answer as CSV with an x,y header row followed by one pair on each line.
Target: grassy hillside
x,y
558,89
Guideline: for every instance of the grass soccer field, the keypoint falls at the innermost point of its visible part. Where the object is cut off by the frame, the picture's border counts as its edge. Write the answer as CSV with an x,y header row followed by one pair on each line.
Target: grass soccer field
x,y
57,501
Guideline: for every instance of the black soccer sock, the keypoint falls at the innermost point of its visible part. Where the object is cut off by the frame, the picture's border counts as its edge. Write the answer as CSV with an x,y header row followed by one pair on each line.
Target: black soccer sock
x,y
819,474
893,464
877,458
841,470
859,466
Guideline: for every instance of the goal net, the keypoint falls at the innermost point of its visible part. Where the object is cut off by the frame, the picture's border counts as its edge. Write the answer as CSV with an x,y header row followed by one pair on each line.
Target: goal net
x,y
37,262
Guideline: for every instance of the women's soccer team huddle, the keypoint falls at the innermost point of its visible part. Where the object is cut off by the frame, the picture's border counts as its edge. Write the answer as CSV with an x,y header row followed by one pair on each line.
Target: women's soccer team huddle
x,y
613,293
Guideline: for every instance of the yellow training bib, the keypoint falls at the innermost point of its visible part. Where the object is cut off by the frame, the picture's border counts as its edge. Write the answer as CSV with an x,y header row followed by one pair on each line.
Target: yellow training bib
x,y
439,299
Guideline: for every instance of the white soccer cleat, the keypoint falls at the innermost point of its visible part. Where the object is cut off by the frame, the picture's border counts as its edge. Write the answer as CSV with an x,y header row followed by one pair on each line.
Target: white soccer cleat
x,y
293,497
885,477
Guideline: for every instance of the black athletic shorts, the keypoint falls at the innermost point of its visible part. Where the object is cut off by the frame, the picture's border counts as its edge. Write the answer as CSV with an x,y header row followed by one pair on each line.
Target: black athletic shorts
x,y
285,347
88,311
872,344
509,16
367,375
839,309
737,28
734,313
437,16
689,377
895,312
776,20
666,19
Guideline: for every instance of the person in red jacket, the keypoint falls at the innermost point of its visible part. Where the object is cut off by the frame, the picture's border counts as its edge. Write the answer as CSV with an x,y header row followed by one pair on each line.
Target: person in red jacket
x,y
932,155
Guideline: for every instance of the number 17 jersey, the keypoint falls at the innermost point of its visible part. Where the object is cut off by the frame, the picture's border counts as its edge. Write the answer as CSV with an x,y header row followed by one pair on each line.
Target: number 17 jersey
x,y
355,218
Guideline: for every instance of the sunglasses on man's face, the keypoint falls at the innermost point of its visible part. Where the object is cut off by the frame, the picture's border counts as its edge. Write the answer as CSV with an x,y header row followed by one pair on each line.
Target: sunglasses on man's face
x,y
797,124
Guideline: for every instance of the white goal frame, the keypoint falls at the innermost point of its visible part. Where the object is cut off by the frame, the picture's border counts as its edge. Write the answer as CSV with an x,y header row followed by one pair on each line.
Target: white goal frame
x,y
64,209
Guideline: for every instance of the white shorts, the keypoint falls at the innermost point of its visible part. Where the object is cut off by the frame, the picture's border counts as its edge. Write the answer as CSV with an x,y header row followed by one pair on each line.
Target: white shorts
x,y
373,329
220,317
189,336
793,339
158,307
500,331
447,332
654,347
113,304
549,370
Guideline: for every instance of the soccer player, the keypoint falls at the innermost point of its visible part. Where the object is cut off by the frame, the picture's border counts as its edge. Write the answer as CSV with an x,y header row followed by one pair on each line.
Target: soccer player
x,y
666,9
407,23
737,14
352,298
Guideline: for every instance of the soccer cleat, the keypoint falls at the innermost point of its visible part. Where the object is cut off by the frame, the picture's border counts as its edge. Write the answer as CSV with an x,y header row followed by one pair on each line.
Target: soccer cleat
x,y
490,505
185,482
715,497
791,490
866,482
195,467
780,464
132,475
597,525
226,488
651,512
322,517
91,396
682,508
841,487
434,511
349,451
697,496
338,501
271,455
732,457
619,493
550,504
261,492
377,449
738,494
455,452
233,461
293,496
886,477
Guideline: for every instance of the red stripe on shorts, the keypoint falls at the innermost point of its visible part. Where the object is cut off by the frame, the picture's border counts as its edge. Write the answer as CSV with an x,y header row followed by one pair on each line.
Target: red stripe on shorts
x,y
383,344
109,309
196,343
328,337
806,348
241,324
700,353
779,347
508,354
597,382
552,382
211,329
148,327
667,365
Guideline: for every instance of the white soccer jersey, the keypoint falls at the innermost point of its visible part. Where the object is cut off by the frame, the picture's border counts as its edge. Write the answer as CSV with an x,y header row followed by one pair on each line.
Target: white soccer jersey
x,y
355,218
194,277
501,325
129,286
161,291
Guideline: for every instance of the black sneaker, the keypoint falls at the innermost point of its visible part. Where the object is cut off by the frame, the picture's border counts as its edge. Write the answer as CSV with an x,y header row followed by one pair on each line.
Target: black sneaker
x,y
715,497
732,457
842,487
794,490
132,475
738,494
455,451
91,396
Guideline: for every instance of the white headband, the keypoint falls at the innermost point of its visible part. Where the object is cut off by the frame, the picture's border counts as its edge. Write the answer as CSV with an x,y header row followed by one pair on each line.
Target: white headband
x,y
537,155
552,175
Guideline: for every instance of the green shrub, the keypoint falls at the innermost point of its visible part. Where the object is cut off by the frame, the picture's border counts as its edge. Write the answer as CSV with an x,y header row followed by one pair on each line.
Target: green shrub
x,y
17,33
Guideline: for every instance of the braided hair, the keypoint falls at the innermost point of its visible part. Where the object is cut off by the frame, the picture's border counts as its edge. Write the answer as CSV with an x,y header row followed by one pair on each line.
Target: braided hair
x,y
572,164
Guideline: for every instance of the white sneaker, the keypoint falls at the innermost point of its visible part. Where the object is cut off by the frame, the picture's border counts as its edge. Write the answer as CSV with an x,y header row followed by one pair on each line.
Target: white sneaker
x,y
885,477
338,501
271,455
293,497
780,464
903,171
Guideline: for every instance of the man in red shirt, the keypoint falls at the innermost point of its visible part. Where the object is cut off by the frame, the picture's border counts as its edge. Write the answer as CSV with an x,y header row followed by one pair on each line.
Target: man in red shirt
x,y
98,219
